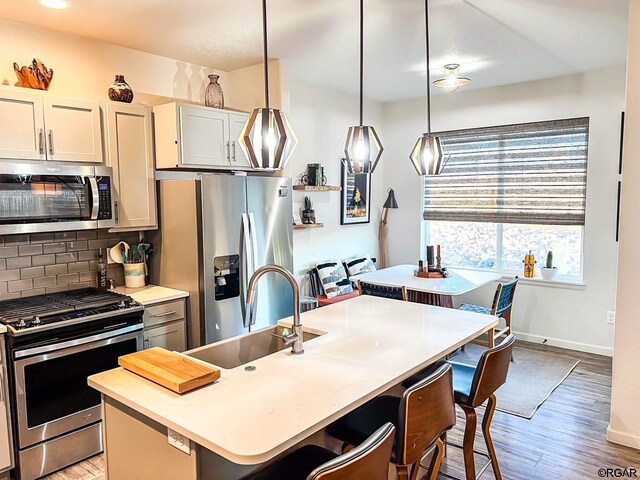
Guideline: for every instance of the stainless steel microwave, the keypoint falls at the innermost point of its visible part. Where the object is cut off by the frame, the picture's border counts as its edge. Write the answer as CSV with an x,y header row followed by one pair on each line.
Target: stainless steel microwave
x,y
36,197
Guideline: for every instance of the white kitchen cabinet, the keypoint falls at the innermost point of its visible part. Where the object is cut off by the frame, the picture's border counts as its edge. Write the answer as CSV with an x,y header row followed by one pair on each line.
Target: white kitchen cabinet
x,y
130,153
197,137
38,127
22,120
165,325
6,449
171,336
73,131
237,122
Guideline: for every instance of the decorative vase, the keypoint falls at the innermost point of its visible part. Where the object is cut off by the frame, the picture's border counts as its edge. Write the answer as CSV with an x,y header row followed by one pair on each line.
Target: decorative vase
x,y
213,96
120,91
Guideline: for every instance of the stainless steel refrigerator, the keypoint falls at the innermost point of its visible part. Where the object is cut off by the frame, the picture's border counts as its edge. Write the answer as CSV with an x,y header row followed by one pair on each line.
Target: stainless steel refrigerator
x,y
215,231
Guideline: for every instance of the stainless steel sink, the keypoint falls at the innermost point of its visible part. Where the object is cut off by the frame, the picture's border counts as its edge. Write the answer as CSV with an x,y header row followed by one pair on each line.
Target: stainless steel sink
x,y
246,348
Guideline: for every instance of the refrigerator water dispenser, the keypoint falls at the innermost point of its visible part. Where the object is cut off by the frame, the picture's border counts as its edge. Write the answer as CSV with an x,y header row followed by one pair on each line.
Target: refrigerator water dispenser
x,y
226,271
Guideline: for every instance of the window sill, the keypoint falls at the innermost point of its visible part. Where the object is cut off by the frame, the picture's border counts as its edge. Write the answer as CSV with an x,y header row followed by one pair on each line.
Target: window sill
x,y
572,284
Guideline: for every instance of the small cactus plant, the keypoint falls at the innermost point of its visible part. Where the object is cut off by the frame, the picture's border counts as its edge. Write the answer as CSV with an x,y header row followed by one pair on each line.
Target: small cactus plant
x,y
308,206
549,263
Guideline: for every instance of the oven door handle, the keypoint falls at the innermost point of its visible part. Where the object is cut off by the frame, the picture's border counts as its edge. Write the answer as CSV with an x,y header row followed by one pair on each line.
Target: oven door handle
x,y
77,341
95,198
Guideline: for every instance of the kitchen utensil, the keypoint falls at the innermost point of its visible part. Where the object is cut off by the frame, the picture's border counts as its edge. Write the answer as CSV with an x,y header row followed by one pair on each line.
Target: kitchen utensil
x,y
169,369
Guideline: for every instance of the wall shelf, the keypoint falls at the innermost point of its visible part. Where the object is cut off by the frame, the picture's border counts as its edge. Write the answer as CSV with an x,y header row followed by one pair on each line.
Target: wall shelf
x,y
308,225
323,188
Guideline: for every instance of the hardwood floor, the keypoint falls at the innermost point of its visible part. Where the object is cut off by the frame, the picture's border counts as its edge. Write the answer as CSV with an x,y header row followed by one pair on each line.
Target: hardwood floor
x,y
564,440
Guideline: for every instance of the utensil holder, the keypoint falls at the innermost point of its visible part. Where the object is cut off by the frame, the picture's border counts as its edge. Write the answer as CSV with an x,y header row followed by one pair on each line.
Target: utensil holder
x,y
134,275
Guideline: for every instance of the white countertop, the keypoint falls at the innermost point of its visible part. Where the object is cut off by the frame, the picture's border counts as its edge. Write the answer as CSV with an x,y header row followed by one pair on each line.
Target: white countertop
x,y
458,283
371,344
152,294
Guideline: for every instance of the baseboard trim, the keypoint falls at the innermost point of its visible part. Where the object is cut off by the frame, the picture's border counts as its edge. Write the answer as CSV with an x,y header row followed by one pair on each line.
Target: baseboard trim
x,y
616,436
558,342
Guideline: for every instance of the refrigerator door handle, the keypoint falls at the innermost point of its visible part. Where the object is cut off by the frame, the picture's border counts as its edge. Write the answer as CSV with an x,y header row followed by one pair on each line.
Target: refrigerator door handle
x,y
244,271
254,251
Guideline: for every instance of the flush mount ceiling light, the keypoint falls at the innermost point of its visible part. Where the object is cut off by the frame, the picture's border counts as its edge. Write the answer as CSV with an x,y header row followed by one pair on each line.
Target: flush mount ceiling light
x,y
267,138
426,156
56,4
452,79
360,149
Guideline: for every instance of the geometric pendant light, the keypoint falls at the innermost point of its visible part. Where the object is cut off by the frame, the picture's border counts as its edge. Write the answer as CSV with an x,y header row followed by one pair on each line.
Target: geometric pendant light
x,y
267,138
360,149
427,156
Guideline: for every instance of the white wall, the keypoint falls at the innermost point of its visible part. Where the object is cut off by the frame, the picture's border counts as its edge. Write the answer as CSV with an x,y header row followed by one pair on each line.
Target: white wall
x,y
320,117
567,317
624,427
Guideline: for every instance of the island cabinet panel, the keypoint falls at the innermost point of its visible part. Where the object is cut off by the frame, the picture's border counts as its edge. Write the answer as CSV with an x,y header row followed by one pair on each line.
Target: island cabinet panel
x,y
197,137
73,130
22,132
137,447
130,154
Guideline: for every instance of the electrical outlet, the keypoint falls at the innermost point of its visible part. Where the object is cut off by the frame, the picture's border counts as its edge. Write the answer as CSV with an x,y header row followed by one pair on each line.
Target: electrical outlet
x,y
611,317
179,441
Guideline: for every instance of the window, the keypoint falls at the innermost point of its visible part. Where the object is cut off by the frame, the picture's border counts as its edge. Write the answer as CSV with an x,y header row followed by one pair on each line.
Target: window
x,y
507,190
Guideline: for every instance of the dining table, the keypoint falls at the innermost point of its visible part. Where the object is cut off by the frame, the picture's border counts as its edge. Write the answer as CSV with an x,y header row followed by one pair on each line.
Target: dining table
x,y
431,291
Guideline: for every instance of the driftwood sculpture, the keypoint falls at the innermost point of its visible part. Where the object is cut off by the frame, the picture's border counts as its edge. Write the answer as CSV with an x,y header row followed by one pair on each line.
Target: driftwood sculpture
x,y
35,75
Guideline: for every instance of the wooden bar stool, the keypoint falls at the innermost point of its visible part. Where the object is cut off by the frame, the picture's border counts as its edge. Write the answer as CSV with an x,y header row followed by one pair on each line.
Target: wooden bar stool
x,y
369,460
475,385
423,414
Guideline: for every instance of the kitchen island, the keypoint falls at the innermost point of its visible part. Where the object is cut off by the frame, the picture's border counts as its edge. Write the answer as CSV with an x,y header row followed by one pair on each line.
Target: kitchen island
x,y
364,347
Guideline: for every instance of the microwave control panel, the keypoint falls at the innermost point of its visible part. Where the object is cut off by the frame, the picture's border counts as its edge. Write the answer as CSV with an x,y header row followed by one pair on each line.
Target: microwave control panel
x,y
104,195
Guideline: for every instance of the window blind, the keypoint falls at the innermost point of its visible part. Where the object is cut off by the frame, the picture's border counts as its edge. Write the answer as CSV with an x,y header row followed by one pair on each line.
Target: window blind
x,y
533,173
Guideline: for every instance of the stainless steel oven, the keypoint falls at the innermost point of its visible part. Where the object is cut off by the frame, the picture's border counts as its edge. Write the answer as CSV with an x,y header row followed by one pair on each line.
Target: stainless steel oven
x,y
47,198
54,342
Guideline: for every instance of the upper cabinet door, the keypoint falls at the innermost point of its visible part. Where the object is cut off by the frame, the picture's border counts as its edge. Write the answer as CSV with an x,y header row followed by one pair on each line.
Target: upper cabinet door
x,y
73,131
130,154
205,137
236,124
21,126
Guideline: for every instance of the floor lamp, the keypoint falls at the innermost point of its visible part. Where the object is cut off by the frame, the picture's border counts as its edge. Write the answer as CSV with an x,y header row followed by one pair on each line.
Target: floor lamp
x,y
390,202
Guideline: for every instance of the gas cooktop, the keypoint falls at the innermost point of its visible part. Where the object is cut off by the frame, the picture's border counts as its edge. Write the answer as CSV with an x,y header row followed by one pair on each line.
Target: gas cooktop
x,y
52,309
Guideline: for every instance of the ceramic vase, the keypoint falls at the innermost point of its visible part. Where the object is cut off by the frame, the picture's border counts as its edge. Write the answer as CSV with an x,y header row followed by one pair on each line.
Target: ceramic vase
x,y
213,95
120,91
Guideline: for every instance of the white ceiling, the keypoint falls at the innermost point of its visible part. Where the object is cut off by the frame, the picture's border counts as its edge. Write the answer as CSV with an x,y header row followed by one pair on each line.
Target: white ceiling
x,y
497,41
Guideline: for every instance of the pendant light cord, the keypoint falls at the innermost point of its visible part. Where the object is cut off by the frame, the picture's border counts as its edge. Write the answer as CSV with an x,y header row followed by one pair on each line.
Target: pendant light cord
x,y
266,58
361,61
426,23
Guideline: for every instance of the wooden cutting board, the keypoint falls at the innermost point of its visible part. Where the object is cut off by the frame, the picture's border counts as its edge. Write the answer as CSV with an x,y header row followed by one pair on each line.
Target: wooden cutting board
x,y
169,369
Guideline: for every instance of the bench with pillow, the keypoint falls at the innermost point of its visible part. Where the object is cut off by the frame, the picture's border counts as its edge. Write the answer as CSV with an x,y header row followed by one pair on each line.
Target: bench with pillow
x,y
330,280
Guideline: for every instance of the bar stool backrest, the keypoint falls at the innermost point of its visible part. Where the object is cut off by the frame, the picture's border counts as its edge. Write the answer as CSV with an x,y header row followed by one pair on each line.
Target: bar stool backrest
x,y
395,293
503,299
427,410
369,460
491,371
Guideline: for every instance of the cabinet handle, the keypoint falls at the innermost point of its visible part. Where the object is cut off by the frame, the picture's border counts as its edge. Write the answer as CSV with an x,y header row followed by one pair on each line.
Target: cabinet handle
x,y
233,144
41,142
229,150
165,314
146,342
116,206
51,151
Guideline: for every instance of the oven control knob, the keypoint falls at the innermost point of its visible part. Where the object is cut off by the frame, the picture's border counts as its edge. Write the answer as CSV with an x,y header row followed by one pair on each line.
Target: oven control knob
x,y
36,321
132,303
21,323
122,304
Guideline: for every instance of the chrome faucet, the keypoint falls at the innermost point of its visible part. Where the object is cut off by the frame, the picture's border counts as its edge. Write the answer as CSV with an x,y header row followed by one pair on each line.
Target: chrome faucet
x,y
295,338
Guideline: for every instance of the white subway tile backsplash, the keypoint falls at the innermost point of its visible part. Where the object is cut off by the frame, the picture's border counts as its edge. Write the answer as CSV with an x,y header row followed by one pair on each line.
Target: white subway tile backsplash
x,y
19,285
24,250
8,275
31,272
39,260
6,252
57,247
18,262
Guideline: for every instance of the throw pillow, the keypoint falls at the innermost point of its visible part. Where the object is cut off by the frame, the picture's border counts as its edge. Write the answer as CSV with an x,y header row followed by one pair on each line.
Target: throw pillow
x,y
362,264
334,279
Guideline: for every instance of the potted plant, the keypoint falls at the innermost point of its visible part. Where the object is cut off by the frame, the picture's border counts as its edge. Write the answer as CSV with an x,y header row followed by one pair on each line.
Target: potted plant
x,y
549,272
308,214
